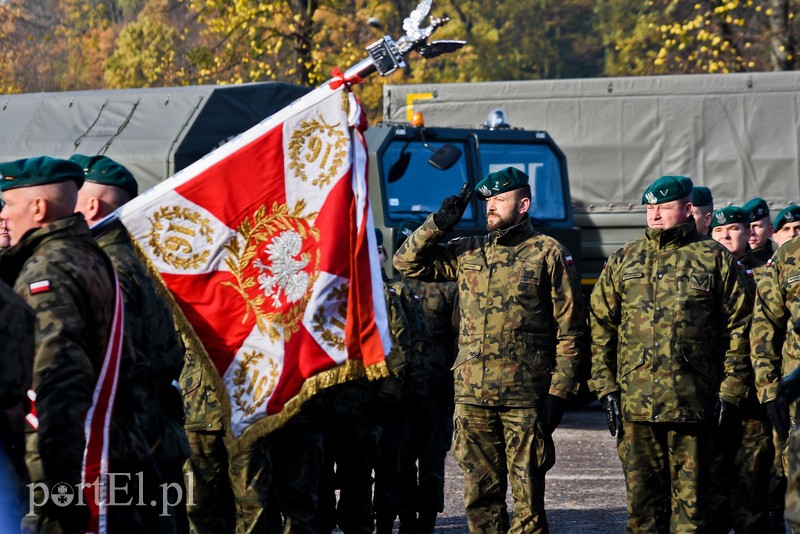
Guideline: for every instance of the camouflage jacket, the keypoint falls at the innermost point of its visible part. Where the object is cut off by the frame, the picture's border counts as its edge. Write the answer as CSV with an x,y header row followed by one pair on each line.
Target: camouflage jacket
x,y
73,323
440,307
521,315
753,268
159,355
669,317
16,330
417,371
775,345
201,401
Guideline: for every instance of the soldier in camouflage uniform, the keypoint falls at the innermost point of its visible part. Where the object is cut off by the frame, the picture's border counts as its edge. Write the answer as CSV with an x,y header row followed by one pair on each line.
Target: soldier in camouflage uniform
x,y
16,330
409,326
521,322
431,425
149,323
669,317
760,228
702,206
743,466
63,275
775,354
228,491
787,225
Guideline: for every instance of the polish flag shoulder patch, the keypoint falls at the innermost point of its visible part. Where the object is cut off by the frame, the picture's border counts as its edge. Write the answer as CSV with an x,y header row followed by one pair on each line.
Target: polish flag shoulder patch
x,y
42,286
570,261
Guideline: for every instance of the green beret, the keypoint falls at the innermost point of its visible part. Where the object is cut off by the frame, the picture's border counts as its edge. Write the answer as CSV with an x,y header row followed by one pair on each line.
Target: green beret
x,y
756,209
405,230
666,189
787,214
40,170
501,181
106,171
379,237
701,196
729,215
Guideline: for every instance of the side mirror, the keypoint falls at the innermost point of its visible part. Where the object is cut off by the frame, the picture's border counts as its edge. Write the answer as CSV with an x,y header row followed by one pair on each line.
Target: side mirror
x,y
445,157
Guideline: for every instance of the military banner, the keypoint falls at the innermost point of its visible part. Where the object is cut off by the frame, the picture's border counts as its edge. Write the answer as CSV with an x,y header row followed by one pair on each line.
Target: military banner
x,y
268,249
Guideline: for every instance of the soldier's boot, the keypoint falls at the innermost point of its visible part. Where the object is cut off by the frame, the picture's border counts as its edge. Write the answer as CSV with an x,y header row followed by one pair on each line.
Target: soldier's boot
x,y
426,522
408,523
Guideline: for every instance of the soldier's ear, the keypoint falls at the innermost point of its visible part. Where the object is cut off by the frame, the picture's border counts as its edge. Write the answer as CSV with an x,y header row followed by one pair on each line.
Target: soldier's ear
x,y
38,207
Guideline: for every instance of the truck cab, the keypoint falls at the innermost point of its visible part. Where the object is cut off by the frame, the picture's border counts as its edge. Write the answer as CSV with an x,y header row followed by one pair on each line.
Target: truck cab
x,y
412,169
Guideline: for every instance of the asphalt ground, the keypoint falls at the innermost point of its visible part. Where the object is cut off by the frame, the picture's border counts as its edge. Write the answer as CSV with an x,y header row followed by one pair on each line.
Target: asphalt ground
x,y
585,489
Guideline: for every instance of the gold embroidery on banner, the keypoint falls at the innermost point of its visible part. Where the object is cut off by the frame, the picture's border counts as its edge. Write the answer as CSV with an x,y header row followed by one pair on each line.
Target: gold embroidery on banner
x,y
323,321
315,141
249,383
263,229
176,224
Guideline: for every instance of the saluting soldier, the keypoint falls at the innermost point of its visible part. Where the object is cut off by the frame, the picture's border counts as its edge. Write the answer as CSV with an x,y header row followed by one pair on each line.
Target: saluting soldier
x,y
669,318
148,321
521,325
67,280
774,346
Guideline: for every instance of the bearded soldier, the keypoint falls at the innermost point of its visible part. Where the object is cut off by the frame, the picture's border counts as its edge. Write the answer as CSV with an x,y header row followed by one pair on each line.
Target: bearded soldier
x,y
521,325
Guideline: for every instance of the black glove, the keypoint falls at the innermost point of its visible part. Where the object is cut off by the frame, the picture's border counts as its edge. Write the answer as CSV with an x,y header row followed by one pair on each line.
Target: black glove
x,y
613,408
552,412
789,388
726,417
778,413
453,209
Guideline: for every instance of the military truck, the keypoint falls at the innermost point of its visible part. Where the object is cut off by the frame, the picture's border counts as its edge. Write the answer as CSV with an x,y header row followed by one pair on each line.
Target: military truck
x,y
412,169
738,134
157,132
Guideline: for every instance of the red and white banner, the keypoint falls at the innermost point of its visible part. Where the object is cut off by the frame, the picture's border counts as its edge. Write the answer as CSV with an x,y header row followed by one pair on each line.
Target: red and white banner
x,y
97,424
267,245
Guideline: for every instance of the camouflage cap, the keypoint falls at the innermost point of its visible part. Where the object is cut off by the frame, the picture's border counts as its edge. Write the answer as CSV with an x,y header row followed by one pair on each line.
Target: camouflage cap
x,y
501,181
379,237
787,214
756,209
405,230
701,196
666,189
106,171
40,170
729,215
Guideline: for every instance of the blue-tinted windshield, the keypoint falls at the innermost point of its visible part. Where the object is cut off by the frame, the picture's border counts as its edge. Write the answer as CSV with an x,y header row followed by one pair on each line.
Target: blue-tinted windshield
x,y
541,164
419,188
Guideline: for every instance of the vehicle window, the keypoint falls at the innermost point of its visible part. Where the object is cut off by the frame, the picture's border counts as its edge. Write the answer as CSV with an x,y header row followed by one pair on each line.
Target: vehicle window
x,y
414,188
541,164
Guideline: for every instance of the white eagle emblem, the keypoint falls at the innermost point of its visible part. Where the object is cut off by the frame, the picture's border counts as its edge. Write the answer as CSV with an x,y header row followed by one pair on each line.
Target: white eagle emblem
x,y
285,272
651,198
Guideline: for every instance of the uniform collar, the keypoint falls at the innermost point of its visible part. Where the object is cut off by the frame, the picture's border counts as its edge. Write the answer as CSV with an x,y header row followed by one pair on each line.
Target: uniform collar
x,y
513,235
672,237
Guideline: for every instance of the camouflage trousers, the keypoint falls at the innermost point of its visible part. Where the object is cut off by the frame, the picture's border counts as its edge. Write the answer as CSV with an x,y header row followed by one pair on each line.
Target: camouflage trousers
x,y
226,493
664,476
792,501
740,473
492,446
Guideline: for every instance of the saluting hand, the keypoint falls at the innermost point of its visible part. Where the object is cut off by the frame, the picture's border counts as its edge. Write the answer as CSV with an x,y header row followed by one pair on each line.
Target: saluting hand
x,y
453,209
